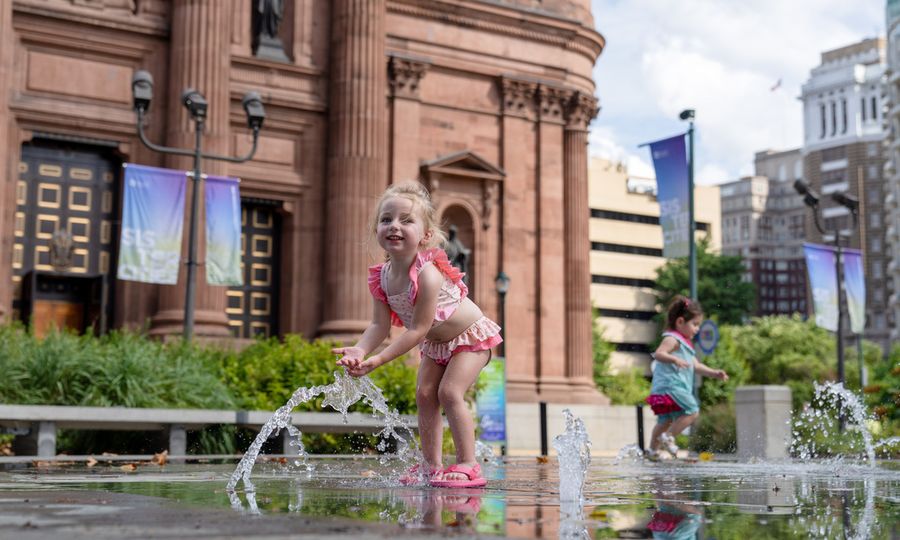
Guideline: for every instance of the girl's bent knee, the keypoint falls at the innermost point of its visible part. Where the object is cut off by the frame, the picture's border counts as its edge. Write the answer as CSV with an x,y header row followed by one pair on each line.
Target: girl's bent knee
x,y
426,395
449,396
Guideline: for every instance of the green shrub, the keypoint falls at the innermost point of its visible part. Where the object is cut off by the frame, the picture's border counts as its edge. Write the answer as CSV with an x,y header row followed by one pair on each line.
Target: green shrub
x,y
626,388
118,369
715,429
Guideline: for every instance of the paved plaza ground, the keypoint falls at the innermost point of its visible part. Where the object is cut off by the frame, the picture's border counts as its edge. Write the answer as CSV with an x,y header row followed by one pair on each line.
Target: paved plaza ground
x,y
353,497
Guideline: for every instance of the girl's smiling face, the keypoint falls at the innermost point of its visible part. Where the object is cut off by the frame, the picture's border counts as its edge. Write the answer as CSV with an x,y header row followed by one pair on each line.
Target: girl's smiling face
x,y
400,227
690,327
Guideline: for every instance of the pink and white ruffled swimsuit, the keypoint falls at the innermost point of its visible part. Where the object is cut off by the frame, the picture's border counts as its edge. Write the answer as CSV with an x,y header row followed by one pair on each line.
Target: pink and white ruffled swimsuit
x,y
482,335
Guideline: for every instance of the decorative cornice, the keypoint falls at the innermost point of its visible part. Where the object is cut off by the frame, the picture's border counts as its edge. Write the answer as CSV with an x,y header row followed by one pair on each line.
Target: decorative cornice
x,y
505,20
581,109
404,76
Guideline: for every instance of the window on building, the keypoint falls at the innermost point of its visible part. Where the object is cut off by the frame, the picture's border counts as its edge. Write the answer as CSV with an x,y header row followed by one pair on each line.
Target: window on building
x,y
875,246
833,118
874,195
875,219
843,115
874,108
872,149
877,271
872,172
862,107
822,116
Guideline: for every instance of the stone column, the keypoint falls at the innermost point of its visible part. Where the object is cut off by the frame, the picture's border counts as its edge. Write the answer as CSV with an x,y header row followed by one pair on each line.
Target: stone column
x,y
519,248
405,75
8,156
553,384
356,160
579,358
200,59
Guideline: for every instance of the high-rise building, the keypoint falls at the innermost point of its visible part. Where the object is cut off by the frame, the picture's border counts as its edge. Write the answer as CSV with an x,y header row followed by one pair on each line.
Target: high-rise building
x,y
892,169
763,222
842,151
626,251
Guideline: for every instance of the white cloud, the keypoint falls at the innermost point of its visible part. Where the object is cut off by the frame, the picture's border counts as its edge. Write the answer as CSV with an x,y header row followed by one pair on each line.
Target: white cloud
x,y
720,58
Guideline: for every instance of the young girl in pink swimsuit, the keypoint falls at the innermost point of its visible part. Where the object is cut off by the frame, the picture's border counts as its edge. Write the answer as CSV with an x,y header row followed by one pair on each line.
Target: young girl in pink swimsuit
x,y
418,289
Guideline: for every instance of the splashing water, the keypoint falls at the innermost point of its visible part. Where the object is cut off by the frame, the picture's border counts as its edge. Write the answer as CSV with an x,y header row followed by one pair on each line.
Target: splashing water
x,y
817,427
629,453
574,450
340,396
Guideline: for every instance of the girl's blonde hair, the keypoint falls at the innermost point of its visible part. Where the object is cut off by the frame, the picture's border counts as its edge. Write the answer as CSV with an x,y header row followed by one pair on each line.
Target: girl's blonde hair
x,y
421,200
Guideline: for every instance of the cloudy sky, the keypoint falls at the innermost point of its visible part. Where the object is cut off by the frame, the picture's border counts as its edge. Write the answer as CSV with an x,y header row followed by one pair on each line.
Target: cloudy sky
x,y
722,58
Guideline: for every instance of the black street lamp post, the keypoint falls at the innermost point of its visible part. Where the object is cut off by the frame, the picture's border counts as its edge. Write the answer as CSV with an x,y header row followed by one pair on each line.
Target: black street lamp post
x,y
811,199
502,284
689,114
142,92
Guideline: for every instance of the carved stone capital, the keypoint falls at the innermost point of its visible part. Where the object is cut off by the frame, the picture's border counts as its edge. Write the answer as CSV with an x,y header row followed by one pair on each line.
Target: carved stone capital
x,y
518,97
553,102
581,109
404,76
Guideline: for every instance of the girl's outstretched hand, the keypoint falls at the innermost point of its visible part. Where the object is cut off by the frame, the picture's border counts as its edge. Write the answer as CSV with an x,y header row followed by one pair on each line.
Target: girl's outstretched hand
x,y
720,374
364,367
351,357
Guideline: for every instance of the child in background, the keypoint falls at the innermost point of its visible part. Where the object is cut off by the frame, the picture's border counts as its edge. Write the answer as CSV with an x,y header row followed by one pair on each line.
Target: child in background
x,y
418,289
672,390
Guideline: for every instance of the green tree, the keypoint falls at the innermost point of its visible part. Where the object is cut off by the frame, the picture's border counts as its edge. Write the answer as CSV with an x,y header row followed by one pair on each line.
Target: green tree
x,y
723,293
786,350
625,388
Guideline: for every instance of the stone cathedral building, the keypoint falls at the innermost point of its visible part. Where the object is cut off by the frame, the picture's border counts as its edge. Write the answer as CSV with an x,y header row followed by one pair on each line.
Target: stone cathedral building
x,y
485,102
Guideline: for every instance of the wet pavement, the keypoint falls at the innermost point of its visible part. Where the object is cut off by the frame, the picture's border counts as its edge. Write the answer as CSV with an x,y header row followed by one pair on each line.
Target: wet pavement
x,y
352,497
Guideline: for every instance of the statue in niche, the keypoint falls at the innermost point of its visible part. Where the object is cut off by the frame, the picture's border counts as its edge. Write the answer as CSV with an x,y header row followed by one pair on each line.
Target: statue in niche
x,y
457,252
61,249
267,16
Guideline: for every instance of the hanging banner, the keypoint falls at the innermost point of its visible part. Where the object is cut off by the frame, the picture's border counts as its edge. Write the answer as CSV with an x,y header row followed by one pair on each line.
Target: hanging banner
x,y
670,162
223,231
823,282
491,401
855,285
152,224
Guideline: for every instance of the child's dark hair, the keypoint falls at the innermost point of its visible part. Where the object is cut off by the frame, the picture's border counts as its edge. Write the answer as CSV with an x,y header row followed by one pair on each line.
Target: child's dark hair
x,y
684,307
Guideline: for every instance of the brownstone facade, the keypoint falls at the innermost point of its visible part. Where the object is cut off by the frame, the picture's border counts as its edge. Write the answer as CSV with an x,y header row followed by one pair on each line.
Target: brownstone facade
x,y
487,103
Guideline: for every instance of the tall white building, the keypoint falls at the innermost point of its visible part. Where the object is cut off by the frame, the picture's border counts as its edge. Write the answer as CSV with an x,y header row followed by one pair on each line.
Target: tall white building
x,y
842,151
892,165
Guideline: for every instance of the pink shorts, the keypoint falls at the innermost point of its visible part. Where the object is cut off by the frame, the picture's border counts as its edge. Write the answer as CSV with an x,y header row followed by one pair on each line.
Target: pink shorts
x,y
482,335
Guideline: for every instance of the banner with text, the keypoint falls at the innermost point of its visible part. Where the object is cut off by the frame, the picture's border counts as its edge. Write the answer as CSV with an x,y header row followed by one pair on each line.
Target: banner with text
x,y
672,192
152,224
491,401
855,285
223,231
823,283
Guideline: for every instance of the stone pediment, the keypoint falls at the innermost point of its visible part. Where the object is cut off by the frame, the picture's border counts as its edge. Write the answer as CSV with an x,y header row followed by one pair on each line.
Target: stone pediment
x,y
465,163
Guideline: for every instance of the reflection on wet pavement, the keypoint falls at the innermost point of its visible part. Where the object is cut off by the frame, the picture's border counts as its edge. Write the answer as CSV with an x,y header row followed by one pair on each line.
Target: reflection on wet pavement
x,y
623,499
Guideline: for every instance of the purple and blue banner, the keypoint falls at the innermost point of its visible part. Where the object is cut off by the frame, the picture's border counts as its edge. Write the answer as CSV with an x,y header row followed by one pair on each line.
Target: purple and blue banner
x,y
152,223
855,285
672,192
491,401
223,231
823,283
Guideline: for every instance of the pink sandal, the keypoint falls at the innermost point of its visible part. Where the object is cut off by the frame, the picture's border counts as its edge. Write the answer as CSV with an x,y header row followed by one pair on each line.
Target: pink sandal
x,y
472,473
413,476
